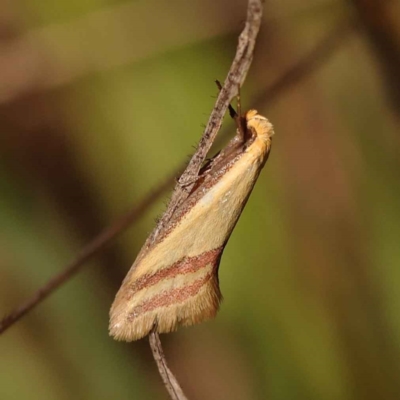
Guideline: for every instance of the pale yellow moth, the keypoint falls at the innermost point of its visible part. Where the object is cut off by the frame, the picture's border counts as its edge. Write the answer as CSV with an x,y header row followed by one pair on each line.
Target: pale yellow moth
x,y
174,282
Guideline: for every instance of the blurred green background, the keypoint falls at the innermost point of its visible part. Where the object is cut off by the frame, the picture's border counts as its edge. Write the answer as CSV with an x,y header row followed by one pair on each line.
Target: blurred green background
x,y
101,100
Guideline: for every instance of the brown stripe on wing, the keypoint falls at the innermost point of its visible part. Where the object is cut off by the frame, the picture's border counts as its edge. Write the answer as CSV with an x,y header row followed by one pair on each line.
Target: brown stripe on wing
x,y
185,265
171,297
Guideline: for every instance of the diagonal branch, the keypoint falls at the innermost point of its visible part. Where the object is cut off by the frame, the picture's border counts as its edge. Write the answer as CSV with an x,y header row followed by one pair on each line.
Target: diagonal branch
x,y
292,76
92,248
170,382
235,78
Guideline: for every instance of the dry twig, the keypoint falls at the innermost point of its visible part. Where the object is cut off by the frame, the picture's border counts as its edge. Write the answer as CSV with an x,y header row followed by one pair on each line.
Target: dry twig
x,y
92,248
305,67
289,78
167,376
235,78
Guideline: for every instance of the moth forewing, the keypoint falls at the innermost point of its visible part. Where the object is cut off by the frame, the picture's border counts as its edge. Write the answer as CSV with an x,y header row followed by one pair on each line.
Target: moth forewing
x,y
175,281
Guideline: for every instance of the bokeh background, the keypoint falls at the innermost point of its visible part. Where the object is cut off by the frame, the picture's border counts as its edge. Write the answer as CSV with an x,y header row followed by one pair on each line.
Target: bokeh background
x,y
101,100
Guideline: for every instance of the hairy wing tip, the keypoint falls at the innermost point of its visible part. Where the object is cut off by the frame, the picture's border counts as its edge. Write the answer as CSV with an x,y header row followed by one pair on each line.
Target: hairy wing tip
x,y
126,332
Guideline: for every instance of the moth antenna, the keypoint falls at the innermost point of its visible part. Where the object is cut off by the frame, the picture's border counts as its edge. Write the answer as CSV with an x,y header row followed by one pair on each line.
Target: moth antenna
x,y
236,116
240,120
218,83
233,114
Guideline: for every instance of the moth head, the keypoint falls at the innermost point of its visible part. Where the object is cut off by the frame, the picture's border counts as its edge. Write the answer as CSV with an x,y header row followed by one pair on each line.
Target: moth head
x,y
259,125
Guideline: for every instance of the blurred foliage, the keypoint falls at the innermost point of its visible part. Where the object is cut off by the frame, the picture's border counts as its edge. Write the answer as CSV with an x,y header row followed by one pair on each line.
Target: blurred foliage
x,y
99,102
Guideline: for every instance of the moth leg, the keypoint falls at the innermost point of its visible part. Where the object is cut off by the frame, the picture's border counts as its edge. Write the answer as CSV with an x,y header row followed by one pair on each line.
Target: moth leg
x,y
185,184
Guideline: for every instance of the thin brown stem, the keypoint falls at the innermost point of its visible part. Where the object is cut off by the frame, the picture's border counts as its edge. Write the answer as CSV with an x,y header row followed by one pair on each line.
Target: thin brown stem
x,y
235,78
91,249
167,376
237,73
295,74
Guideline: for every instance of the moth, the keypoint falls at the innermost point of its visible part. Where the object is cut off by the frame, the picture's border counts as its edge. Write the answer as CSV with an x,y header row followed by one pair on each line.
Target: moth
x,y
174,281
